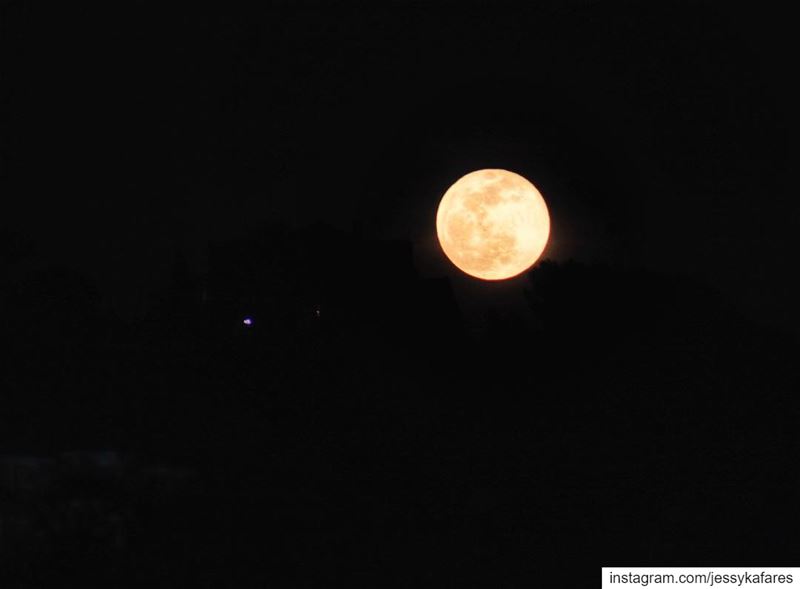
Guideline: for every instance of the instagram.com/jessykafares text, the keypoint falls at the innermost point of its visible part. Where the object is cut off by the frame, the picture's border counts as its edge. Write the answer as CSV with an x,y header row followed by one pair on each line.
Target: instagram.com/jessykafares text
x,y
681,577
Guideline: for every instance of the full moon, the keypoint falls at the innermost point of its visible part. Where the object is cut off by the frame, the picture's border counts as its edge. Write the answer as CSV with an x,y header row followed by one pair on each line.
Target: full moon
x,y
493,224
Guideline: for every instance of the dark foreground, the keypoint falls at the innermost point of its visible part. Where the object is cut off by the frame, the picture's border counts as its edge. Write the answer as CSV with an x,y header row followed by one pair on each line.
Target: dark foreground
x,y
647,424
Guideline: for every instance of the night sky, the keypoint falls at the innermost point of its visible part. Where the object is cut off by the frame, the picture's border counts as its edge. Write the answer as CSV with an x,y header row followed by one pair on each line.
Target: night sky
x,y
659,133
239,357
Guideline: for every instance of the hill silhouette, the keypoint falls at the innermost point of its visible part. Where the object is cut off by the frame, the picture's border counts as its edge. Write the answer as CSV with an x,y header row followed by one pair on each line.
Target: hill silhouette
x,y
355,433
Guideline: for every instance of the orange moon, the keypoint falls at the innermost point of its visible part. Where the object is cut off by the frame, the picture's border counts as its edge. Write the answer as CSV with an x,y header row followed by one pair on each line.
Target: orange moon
x,y
493,224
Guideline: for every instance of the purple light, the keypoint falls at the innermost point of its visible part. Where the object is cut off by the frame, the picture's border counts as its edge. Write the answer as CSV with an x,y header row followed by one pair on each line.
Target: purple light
x,y
247,321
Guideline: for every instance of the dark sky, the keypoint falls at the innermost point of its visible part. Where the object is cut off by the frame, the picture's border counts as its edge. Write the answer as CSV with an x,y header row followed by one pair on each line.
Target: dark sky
x,y
659,132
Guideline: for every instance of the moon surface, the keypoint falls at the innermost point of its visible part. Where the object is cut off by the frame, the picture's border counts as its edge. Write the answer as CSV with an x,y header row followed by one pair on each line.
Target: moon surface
x,y
493,224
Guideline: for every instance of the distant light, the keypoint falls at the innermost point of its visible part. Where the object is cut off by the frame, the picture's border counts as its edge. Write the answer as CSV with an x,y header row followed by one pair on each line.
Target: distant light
x,y
248,321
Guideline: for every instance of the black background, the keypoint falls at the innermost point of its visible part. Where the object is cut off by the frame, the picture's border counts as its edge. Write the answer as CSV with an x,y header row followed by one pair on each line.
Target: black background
x,y
170,169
